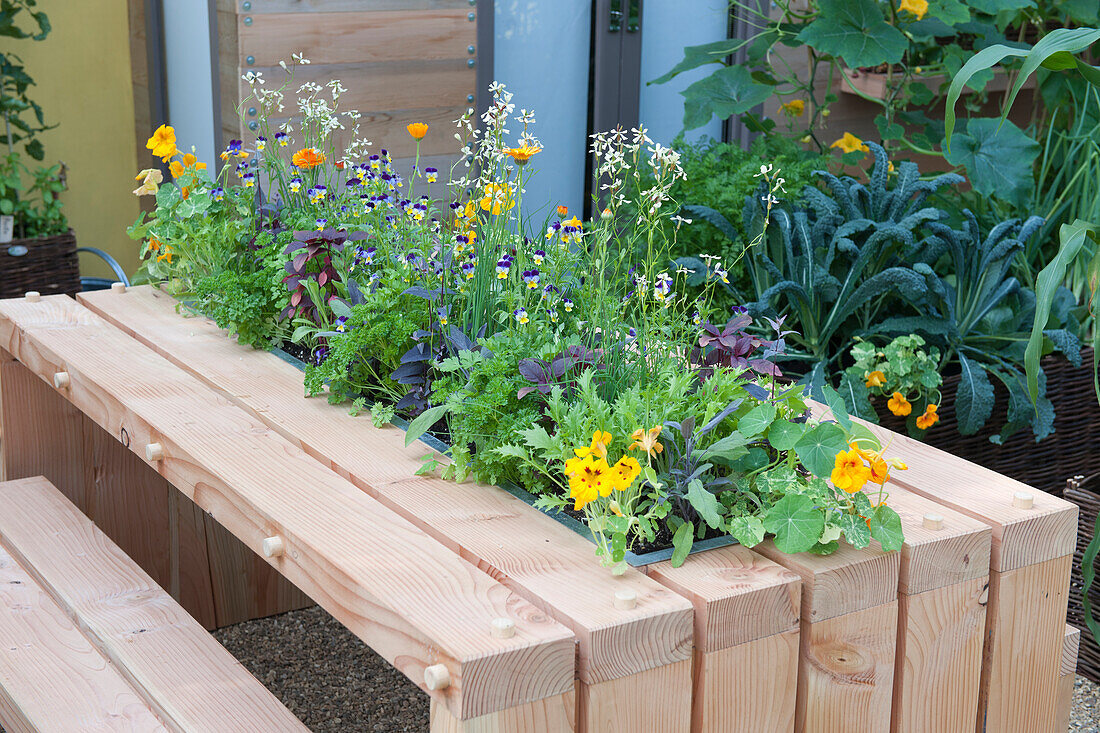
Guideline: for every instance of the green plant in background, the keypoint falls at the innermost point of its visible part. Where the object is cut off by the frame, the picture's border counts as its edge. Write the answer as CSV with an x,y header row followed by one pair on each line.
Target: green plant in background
x,y
903,373
30,195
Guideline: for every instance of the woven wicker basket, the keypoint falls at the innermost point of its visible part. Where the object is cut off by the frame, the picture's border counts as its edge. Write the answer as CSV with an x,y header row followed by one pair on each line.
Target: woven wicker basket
x,y
1071,450
1085,492
46,264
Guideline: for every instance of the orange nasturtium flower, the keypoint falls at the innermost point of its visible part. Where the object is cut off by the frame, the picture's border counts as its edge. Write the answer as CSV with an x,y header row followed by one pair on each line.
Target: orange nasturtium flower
x,y
849,474
308,158
522,154
418,130
163,142
166,254
850,143
647,440
793,108
899,405
598,449
876,379
188,161
929,418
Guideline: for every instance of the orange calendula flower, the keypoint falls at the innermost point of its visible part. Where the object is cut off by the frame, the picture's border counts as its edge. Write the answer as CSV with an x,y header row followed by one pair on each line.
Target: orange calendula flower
x,y
563,211
929,418
418,130
163,142
899,405
849,474
522,154
876,379
850,143
793,108
308,158
624,472
600,441
647,440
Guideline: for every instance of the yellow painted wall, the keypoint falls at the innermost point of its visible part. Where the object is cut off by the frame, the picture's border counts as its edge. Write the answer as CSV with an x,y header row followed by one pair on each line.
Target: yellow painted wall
x,y
83,77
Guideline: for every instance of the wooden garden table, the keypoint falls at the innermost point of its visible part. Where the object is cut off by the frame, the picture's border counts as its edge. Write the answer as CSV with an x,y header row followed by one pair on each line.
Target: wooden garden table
x,y
201,458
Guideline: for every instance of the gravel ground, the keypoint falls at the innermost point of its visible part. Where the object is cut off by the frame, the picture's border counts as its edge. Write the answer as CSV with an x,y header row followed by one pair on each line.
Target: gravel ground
x,y
333,682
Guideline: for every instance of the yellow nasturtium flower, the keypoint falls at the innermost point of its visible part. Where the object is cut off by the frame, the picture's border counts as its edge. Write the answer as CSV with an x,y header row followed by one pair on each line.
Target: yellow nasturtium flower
x,y
589,478
647,440
849,474
899,405
876,379
163,142
598,448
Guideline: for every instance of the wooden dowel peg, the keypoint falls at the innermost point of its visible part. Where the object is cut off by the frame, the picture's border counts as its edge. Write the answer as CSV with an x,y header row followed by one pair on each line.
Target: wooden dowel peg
x,y
154,452
274,546
504,628
61,380
1023,500
33,296
118,287
933,522
626,599
436,677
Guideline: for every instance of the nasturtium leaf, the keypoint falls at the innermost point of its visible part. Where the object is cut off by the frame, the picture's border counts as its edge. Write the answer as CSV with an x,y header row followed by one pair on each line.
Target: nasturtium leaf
x,y
831,533
783,434
818,446
863,504
997,156
974,396
682,541
795,522
886,528
729,91
748,530
827,548
856,31
706,503
856,530
756,420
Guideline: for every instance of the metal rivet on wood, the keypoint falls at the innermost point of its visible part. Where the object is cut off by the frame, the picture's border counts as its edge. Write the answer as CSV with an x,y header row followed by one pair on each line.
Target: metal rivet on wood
x,y
33,296
933,521
154,452
436,677
118,287
504,628
626,599
61,380
1023,500
274,546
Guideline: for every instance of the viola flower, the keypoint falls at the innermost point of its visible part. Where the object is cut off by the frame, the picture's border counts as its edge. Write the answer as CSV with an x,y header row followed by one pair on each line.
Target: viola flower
x,y
696,318
502,268
442,313
218,194
624,472
308,158
531,277
793,108
548,291
567,304
553,315
321,224
538,256
662,287
849,474
899,405
722,275
875,379
418,130
319,355
431,175
341,323
563,211
916,7
647,440
248,179
234,150
241,169
163,142
375,162
598,447
522,154
553,230
317,193
261,143
282,138
849,143
468,270
295,185
353,182
929,418
521,315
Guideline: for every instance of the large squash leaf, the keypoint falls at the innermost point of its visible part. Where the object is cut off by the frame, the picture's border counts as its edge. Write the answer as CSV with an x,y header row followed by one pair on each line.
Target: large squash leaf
x,y
998,156
856,31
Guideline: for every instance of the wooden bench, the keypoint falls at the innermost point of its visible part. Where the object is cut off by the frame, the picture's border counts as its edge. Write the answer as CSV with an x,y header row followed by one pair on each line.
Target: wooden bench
x,y
89,642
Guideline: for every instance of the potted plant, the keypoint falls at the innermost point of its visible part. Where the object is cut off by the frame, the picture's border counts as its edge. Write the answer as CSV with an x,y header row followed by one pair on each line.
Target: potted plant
x,y
37,248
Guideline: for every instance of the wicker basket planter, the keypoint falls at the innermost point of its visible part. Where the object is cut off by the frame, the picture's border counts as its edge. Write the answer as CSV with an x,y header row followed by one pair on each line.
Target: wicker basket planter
x,y
1085,493
1069,451
46,264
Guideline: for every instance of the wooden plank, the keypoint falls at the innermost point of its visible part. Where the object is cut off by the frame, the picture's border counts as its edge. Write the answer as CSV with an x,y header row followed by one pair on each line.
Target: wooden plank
x,y
191,583
409,598
846,671
52,678
748,688
549,715
542,560
620,705
182,672
339,6
943,586
746,638
42,433
344,38
1023,648
1071,644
